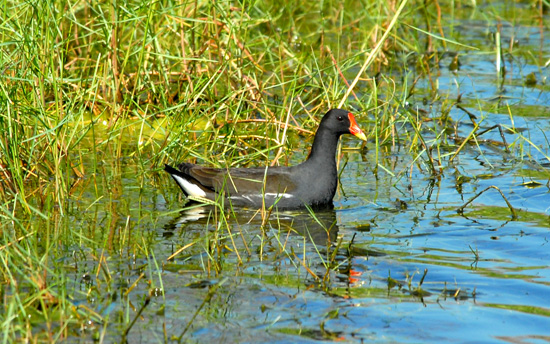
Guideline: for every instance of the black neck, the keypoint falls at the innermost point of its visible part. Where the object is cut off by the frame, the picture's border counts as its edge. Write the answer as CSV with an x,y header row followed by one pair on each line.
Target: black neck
x,y
324,147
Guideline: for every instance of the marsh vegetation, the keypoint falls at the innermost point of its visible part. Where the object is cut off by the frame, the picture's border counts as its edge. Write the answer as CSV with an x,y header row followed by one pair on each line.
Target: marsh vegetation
x,y
441,218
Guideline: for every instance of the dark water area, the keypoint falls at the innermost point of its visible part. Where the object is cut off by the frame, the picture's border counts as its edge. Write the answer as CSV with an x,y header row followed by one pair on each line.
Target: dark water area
x,y
395,261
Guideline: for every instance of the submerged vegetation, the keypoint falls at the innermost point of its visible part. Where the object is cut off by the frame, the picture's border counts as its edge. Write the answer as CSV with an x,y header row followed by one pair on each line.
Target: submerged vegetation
x,y
95,93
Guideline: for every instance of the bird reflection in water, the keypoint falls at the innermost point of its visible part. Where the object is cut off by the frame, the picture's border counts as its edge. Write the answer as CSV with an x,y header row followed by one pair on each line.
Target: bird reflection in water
x,y
319,227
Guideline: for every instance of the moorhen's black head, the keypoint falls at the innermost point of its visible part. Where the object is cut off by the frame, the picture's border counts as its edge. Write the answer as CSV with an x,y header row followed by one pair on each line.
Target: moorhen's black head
x,y
336,122
341,122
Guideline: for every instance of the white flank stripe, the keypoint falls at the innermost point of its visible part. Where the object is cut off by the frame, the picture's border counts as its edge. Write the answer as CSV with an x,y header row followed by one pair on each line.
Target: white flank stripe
x,y
267,195
277,195
190,188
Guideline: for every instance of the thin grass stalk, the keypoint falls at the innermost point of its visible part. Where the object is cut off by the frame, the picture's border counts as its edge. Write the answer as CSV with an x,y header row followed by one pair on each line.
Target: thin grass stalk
x,y
374,51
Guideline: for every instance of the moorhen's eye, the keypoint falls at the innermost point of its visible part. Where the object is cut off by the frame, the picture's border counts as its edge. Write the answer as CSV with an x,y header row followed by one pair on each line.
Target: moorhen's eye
x,y
340,118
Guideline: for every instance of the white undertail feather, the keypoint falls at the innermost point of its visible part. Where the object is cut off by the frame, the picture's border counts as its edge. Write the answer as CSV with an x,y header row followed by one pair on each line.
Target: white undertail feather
x,y
189,188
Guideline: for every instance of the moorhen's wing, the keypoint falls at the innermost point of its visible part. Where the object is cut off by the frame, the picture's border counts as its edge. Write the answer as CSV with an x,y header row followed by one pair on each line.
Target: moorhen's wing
x,y
248,186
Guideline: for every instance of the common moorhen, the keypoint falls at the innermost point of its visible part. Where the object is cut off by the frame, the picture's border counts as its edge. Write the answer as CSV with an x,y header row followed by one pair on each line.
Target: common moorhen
x,y
312,183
